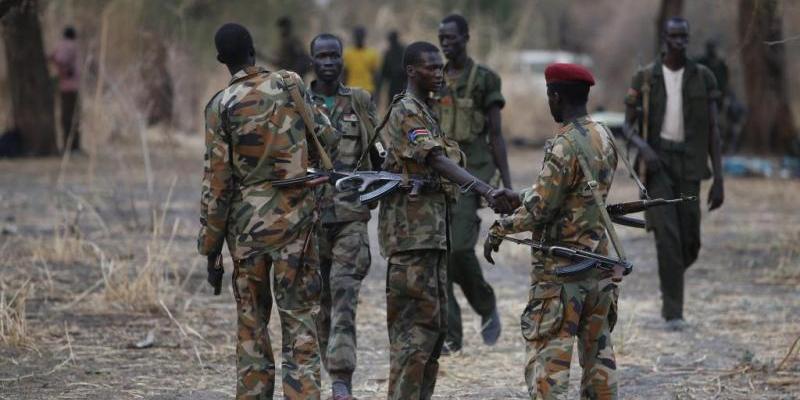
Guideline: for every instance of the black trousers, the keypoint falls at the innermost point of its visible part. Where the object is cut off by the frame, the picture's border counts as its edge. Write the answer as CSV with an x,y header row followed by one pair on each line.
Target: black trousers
x,y
676,229
70,118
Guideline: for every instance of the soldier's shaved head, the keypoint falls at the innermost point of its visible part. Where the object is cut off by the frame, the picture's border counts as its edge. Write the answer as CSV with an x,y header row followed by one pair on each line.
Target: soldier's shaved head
x,y
324,36
414,52
459,20
234,45
675,21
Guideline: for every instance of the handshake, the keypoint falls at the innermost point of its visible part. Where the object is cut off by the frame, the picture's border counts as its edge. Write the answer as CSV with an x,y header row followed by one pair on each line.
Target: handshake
x,y
502,201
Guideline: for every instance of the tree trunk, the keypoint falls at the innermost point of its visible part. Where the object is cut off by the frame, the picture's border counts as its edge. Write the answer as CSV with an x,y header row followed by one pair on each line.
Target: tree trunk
x,y
669,9
769,126
31,89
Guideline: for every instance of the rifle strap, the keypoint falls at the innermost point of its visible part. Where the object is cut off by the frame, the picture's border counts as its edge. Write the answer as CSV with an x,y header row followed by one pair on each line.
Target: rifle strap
x,y
364,121
378,128
582,153
300,105
471,80
627,163
646,86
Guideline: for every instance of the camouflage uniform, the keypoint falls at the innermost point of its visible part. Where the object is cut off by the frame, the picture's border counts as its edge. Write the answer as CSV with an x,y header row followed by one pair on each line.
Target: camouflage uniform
x,y
559,209
344,242
254,135
684,165
462,108
413,237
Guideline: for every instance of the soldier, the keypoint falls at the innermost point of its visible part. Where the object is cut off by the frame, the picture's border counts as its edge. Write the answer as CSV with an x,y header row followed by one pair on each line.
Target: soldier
x,y
717,66
560,208
392,67
679,132
254,135
291,55
469,112
344,242
413,226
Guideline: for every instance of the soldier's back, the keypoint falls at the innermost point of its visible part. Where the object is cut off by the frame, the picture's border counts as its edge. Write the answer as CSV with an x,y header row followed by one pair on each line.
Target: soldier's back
x,y
266,142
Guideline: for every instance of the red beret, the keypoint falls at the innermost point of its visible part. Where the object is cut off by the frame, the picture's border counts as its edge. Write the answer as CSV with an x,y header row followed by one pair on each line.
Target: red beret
x,y
565,72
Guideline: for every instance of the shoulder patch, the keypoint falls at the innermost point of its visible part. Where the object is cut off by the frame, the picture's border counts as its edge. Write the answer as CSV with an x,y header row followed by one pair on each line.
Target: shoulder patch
x,y
419,134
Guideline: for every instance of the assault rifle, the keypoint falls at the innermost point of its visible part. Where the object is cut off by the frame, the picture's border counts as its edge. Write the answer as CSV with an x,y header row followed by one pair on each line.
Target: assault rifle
x,y
618,211
363,181
584,260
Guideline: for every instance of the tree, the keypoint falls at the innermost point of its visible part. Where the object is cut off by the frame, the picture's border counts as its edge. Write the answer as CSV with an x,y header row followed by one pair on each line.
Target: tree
x,y
31,90
669,9
769,126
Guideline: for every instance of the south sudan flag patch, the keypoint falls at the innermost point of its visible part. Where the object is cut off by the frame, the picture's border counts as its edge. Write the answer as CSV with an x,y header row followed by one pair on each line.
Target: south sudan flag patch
x,y
418,135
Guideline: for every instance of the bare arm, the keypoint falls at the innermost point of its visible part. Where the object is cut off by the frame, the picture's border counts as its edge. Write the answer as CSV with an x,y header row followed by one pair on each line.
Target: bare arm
x,y
498,143
502,201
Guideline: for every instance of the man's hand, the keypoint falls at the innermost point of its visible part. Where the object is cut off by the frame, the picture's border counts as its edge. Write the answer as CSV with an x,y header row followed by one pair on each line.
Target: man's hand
x,y
716,195
503,201
492,244
215,272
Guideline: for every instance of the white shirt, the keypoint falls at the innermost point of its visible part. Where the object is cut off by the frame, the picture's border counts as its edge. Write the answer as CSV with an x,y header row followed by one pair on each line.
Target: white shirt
x,y
672,128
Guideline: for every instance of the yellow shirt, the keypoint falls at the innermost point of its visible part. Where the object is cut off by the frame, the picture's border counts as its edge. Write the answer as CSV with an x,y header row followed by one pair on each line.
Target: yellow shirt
x,y
361,65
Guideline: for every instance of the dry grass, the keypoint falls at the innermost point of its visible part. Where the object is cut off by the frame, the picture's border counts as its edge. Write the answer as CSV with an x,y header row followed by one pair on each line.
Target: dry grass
x,y
14,330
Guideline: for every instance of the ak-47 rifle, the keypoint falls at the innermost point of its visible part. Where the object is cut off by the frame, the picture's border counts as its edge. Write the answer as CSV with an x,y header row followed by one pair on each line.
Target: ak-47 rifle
x,y
584,260
362,181
641,205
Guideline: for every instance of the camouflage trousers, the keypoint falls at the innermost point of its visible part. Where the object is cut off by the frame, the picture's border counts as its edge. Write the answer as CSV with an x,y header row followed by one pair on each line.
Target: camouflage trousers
x,y
297,286
557,313
416,302
344,262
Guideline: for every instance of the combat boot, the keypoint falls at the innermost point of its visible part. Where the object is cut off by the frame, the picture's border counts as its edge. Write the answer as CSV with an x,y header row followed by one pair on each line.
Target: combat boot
x,y
341,391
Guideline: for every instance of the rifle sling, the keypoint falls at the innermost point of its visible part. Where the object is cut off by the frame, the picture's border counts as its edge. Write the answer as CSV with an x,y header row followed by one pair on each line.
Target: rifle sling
x,y
592,184
300,105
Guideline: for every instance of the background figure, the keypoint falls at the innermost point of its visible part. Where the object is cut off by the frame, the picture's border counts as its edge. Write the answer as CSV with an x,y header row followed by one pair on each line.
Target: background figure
x,y
360,62
392,68
291,53
65,58
679,135
718,67
731,110
468,108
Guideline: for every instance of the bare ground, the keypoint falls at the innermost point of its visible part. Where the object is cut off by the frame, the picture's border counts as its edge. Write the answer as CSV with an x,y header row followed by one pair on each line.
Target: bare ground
x,y
103,262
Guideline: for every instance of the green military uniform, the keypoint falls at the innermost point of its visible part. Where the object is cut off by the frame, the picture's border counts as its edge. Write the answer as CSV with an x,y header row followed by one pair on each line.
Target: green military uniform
x,y
255,135
462,108
413,238
560,209
684,165
344,242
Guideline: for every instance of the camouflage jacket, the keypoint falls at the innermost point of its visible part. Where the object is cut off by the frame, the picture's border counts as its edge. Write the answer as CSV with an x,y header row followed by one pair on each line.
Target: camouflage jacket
x,y
254,135
462,106
410,135
346,117
559,208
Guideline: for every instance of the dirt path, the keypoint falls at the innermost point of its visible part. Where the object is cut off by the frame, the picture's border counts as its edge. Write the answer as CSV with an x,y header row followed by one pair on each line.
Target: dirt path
x,y
100,278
